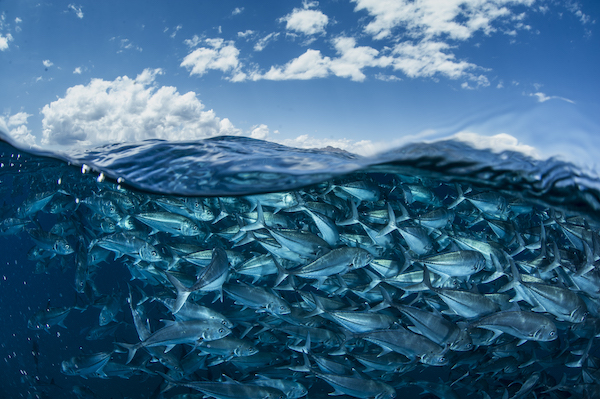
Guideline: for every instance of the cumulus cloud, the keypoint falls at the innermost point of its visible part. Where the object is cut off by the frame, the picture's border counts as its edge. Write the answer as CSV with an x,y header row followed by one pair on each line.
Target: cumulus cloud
x,y
497,143
128,109
16,126
312,64
77,10
237,10
306,21
424,59
260,132
47,63
218,55
423,31
4,40
430,19
541,97
77,71
309,65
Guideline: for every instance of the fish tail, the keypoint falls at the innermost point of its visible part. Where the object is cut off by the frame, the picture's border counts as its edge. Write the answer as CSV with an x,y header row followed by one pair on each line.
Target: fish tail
x,y
131,350
183,292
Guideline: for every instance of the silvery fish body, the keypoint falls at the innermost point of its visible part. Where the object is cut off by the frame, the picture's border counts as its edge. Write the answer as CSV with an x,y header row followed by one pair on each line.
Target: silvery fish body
x,y
257,298
86,365
337,261
520,324
458,263
169,223
358,387
182,332
409,344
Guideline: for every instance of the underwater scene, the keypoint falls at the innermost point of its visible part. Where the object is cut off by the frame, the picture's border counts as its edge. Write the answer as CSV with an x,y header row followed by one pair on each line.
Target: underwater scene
x,y
239,268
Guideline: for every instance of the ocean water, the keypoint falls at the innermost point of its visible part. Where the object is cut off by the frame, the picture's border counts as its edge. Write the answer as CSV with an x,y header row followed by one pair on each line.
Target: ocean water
x,y
540,219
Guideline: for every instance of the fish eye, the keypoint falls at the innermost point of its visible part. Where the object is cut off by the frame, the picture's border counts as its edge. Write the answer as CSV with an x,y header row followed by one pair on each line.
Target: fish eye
x,y
221,330
552,333
154,253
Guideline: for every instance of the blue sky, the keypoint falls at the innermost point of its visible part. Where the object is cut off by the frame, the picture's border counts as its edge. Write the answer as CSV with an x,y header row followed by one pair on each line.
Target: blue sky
x,y
362,75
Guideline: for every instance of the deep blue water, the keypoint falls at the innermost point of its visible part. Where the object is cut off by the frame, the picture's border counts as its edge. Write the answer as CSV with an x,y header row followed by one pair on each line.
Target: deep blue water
x,y
234,166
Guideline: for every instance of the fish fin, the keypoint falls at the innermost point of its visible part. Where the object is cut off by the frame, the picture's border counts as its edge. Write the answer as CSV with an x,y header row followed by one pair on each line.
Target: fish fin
x,y
183,292
384,351
427,278
281,273
318,306
260,220
386,303
353,219
168,348
131,350
459,198
375,280
414,329
391,226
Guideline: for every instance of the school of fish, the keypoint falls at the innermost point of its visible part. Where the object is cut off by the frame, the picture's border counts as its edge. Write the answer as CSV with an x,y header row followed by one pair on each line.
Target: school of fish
x,y
353,287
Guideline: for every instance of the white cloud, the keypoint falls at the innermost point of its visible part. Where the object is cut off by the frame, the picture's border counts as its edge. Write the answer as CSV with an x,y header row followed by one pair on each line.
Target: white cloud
x,y
16,126
126,44
128,109
427,58
47,63
353,59
387,78
456,19
177,29
193,42
363,147
423,31
575,8
18,119
260,132
77,71
309,65
306,21
77,10
541,97
312,64
237,10
244,34
262,43
497,143
219,55
4,40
